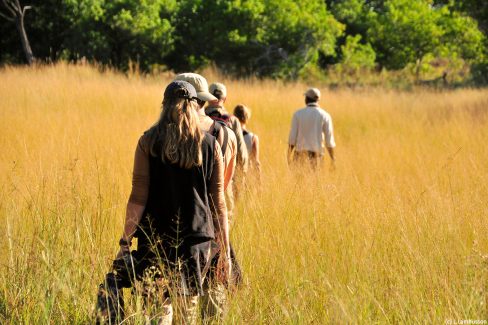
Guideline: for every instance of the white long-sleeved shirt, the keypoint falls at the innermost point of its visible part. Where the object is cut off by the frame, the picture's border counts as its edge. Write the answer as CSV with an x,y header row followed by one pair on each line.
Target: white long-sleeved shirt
x,y
310,126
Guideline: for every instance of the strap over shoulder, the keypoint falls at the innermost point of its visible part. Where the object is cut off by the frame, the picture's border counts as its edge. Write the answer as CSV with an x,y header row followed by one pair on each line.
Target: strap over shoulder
x,y
220,126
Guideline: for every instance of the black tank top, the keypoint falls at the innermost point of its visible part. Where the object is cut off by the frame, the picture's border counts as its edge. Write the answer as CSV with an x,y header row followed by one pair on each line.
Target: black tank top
x,y
178,210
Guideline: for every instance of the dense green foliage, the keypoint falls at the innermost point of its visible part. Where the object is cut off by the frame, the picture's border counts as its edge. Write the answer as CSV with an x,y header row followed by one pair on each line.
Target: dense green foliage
x,y
278,38
275,37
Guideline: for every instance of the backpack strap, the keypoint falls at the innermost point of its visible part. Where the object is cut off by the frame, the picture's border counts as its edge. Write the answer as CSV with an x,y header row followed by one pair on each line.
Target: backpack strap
x,y
218,126
223,119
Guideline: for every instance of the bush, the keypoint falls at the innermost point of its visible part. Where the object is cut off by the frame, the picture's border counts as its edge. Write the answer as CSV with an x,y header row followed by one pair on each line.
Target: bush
x,y
479,73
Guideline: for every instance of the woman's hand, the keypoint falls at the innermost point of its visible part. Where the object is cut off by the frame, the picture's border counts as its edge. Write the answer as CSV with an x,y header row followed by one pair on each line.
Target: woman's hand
x,y
124,249
123,261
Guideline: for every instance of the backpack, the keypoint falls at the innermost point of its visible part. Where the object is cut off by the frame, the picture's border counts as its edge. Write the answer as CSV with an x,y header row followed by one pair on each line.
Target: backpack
x,y
221,126
224,118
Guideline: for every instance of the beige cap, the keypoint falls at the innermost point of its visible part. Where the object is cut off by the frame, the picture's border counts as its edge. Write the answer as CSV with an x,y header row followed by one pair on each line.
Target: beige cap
x,y
200,84
312,93
217,86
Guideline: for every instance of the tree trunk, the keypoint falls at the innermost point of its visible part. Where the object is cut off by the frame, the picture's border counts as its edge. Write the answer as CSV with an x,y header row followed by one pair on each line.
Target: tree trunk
x,y
418,64
19,22
417,69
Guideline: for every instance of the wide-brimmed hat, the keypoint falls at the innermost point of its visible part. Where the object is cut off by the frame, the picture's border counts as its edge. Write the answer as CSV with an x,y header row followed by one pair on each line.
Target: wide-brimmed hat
x,y
180,89
312,93
218,90
200,84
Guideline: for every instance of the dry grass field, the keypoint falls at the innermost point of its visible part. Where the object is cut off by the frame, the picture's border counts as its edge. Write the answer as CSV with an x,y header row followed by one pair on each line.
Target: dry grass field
x,y
396,234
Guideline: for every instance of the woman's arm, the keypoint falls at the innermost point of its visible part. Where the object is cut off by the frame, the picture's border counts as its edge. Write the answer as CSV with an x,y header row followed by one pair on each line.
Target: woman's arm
x,y
219,212
230,155
255,150
138,196
133,216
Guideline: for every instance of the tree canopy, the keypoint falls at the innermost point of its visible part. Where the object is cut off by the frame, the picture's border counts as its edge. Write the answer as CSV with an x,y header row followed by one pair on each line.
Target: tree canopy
x,y
277,38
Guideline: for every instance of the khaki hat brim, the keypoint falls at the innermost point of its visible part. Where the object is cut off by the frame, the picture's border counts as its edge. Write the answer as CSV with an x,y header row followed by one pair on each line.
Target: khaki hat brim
x,y
206,96
305,94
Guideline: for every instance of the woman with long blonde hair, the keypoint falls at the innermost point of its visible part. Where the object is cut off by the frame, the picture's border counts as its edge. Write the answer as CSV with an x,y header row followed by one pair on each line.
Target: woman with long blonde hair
x,y
176,210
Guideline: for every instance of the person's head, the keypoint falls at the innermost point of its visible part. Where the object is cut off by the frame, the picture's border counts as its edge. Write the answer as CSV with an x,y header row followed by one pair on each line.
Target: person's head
x,y
219,91
242,113
176,137
200,84
312,95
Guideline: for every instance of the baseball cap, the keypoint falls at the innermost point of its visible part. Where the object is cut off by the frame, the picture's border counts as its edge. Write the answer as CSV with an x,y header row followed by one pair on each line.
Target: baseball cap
x,y
312,93
200,84
180,89
218,90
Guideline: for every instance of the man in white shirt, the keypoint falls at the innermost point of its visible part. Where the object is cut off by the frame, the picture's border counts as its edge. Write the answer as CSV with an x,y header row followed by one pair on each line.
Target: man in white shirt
x,y
309,128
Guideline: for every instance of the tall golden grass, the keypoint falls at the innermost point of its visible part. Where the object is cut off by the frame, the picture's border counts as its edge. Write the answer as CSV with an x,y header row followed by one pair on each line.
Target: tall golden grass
x,y
396,234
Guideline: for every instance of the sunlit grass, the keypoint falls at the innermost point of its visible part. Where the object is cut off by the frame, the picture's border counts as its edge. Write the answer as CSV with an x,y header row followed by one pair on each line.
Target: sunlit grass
x,y
396,234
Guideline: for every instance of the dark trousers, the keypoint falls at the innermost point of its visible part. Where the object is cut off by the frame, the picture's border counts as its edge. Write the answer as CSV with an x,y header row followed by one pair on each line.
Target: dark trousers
x,y
125,271
134,267
308,157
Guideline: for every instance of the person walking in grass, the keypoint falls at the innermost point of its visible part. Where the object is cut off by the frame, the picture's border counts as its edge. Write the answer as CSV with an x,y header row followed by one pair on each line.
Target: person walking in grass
x,y
309,128
213,303
251,140
176,211
216,110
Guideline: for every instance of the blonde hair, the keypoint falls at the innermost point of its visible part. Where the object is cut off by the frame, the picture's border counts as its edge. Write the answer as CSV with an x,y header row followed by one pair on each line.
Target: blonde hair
x,y
177,137
242,113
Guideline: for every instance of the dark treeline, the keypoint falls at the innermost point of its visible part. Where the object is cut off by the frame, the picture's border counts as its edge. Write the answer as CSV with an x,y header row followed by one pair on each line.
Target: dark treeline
x,y
265,38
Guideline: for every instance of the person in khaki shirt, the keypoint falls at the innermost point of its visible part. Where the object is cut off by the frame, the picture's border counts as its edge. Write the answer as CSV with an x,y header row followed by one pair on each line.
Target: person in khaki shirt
x,y
309,128
225,136
216,109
